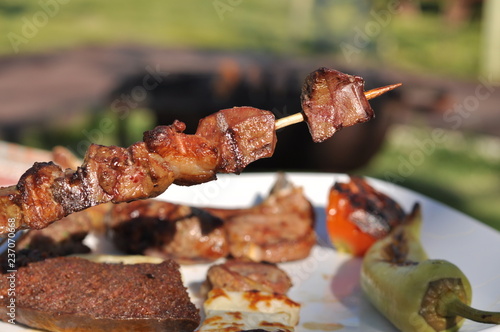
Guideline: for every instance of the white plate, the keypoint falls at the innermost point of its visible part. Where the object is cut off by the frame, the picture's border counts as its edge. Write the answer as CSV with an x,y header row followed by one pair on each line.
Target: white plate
x,y
326,283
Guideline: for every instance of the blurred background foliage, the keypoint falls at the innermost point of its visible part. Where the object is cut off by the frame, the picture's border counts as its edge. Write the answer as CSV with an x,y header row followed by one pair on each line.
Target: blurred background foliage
x,y
422,41
440,38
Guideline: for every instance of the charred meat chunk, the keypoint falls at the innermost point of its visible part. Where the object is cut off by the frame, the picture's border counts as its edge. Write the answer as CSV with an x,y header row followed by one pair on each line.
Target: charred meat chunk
x,y
241,134
192,159
332,100
279,229
157,228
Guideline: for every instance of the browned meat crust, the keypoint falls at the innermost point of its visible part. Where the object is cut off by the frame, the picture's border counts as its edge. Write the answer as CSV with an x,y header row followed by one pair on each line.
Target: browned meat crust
x,y
186,234
241,139
332,100
69,294
235,275
279,229
46,192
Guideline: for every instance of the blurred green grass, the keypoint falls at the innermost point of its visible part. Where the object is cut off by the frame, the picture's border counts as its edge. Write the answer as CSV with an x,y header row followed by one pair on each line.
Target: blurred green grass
x,y
251,25
461,172
425,43
418,43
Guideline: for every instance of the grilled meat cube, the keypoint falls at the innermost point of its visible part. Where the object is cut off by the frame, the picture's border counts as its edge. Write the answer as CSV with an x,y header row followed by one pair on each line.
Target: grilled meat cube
x,y
192,159
35,194
242,135
332,100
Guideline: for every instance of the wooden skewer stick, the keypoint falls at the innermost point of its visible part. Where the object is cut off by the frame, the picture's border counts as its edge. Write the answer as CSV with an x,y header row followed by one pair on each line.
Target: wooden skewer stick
x,y
299,117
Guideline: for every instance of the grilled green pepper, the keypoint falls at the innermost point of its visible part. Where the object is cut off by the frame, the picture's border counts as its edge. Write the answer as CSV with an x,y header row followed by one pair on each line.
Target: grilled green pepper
x,y
415,293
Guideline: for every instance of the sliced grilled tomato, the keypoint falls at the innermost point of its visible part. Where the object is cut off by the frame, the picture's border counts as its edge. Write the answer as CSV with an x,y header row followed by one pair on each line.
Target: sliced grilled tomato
x,y
357,215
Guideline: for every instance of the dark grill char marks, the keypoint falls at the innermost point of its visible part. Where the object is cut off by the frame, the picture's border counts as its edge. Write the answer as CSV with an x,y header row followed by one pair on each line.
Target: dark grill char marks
x,y
373,212
192,159
279,229
332,100
186,234
69,293
234,275
37,196
46,192
242,137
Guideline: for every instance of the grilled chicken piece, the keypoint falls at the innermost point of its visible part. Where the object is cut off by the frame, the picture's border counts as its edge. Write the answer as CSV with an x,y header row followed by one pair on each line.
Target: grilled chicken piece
x,y
236,275
279,229
157,228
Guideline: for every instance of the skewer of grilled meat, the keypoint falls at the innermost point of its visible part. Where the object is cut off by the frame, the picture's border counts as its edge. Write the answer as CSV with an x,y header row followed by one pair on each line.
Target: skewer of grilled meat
x,y
225,142
66,237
